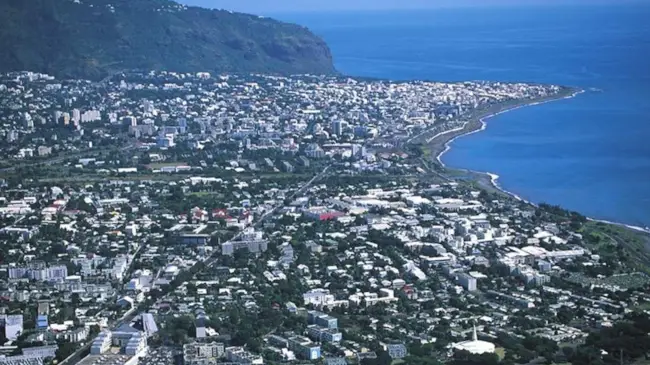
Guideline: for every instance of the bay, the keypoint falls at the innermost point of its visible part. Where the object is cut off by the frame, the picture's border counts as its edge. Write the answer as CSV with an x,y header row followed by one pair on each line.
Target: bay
x,y
590,153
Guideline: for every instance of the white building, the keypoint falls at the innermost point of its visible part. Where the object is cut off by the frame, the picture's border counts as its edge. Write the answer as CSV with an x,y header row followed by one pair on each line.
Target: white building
x,y
13,326
318,297
467,281
238,354
101,343
475,345
76,115
52,273
203,353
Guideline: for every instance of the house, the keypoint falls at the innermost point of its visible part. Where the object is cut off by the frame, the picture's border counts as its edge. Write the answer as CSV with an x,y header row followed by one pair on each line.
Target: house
x,y
335,361
125,301
321,213
396,351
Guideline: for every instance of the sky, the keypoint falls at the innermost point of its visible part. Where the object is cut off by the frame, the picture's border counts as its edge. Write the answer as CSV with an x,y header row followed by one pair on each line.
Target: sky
x,y
281,6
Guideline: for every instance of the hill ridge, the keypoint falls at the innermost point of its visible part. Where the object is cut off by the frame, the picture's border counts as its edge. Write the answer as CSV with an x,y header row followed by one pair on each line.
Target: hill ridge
x,y
91,38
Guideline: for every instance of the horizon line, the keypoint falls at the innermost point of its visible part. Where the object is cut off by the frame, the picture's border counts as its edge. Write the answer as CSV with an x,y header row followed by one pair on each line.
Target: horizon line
x,y
419,7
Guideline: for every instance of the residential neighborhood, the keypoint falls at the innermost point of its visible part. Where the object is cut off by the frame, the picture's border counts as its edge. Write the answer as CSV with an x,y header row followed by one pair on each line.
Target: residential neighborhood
x,y
164,218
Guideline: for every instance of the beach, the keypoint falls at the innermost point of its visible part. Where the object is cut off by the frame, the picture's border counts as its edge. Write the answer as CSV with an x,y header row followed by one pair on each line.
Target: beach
x,y
439,143
478,123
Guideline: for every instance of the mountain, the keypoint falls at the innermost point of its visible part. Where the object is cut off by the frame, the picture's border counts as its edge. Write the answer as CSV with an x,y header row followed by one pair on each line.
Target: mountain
x,y
93,38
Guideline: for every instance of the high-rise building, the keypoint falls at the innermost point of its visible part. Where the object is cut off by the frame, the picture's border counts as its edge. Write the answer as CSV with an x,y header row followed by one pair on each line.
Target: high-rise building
x,y
203,353
91,116
28,121
323,328
338,127
148,106
101,343
467,281
39,272
12,135
304,348
166,140
356,150
200,328
42,321
13,325
130,121
314,151
201,318
76,115
57,116
149,324
182,125
323,334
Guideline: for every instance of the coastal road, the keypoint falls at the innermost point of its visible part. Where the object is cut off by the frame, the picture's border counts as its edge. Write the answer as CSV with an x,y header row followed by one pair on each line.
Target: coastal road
x,y
434,172
471,120
453,127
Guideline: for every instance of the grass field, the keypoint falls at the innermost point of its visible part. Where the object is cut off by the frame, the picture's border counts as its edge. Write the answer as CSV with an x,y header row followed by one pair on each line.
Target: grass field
x,y
636,243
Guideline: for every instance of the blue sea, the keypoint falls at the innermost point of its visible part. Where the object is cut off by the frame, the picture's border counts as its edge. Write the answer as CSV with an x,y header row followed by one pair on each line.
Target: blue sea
x,y
590,153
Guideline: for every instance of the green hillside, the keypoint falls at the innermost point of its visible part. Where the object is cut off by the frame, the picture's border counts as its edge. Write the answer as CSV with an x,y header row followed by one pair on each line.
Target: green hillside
x,y
92,38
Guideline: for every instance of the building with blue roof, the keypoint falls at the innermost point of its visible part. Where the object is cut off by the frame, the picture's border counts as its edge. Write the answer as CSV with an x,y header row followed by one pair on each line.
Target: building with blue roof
x,y
42,322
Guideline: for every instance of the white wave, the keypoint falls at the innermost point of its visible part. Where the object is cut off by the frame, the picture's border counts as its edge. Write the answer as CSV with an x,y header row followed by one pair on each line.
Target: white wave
x,y
636,228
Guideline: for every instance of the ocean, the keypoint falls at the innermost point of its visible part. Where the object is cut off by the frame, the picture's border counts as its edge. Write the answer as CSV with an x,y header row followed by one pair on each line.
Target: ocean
x,y
590,154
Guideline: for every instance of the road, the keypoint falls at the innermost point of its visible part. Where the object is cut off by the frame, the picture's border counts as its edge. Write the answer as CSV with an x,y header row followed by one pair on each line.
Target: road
x,y
126,318
301,190
85,349
271,212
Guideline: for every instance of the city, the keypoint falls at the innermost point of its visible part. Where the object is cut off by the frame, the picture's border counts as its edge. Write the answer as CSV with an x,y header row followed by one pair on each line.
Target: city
x,y
162,217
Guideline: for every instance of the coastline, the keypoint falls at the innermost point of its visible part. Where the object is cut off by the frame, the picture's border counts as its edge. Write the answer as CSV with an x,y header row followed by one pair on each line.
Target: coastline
x,y
478,123
482,118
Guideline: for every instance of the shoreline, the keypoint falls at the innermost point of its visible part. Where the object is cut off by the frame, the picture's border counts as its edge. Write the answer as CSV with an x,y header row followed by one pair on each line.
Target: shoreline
x,y
480,124
482,119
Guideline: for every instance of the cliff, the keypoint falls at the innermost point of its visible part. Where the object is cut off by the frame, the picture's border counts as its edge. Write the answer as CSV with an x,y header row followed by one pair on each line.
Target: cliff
x,y
92,38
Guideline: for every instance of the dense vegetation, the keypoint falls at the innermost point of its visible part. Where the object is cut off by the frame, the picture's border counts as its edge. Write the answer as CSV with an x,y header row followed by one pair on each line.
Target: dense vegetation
x,y
626,341
93,38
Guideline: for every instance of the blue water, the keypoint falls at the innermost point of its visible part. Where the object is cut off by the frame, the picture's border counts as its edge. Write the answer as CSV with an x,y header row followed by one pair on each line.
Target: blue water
x,y
590,154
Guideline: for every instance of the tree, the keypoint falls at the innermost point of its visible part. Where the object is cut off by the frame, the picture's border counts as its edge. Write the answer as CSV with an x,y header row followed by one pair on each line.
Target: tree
x,y
75,300
93,331
629,336
65,349
468,358
178,329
